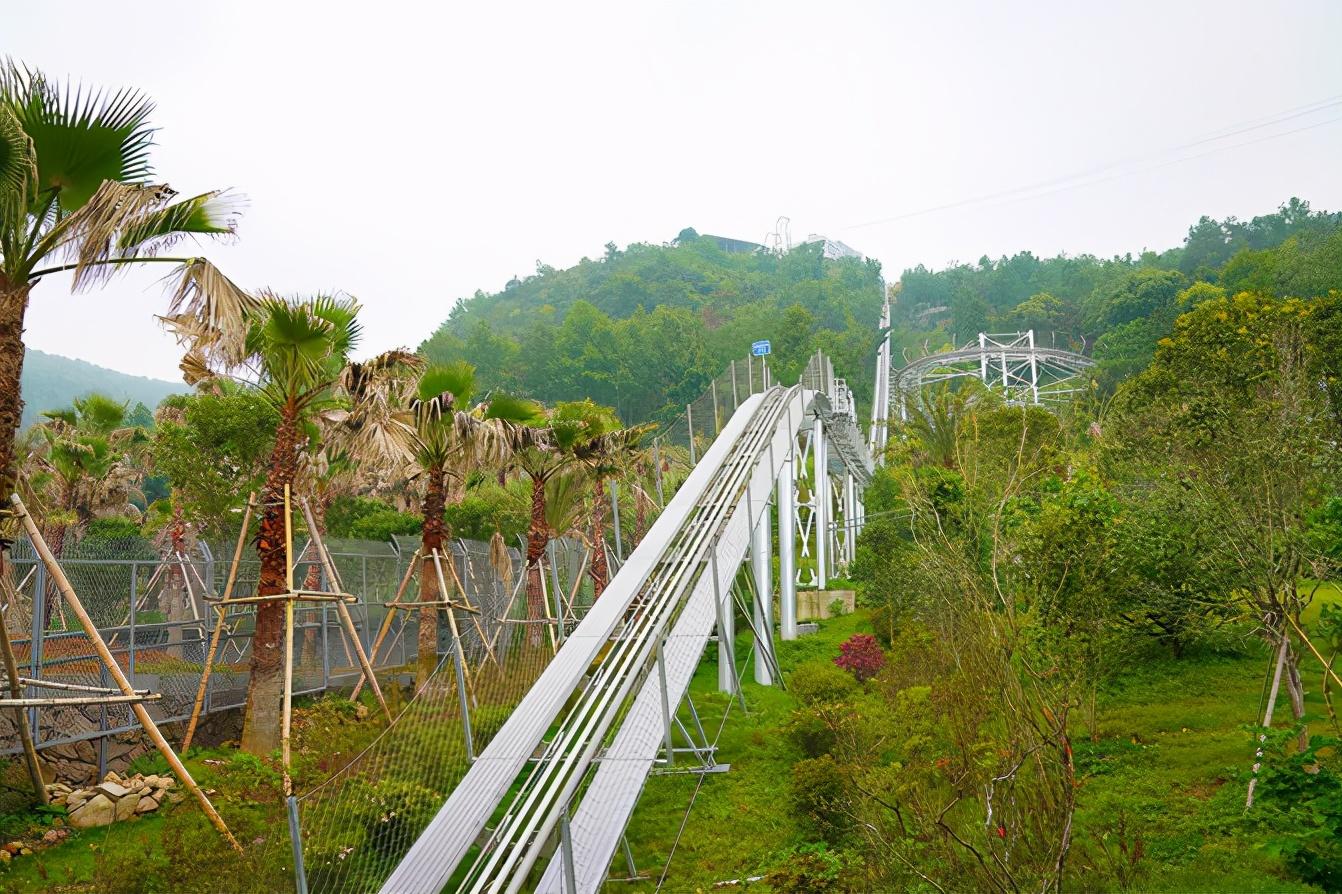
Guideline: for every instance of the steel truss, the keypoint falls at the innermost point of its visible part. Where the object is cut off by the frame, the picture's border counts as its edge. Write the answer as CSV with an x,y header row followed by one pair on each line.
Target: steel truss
x,y
1012,365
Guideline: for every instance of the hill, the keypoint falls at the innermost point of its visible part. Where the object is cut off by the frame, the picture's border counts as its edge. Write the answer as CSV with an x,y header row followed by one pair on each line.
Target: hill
x,y
50,382
643,329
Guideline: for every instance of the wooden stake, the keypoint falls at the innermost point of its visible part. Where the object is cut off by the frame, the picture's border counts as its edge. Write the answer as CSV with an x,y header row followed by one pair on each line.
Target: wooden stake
x,y
1304,639
150,727
287,706
21,717
475,613
218,626
363,659
386,624
452,623
332,576
341,610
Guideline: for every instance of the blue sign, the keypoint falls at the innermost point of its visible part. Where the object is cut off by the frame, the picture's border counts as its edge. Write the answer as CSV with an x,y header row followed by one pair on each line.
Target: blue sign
x,y
760,348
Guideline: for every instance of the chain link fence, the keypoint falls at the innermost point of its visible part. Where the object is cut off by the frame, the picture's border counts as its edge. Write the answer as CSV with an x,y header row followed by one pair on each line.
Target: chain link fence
x,y
151,608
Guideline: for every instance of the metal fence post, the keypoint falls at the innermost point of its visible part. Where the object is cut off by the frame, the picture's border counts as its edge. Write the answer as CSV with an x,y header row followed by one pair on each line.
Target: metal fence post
x,y
459,661
35,643
615,510
296,840
134,598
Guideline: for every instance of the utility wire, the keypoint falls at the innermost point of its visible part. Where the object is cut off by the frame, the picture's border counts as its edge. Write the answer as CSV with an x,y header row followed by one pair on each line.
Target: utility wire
x,y
1081,178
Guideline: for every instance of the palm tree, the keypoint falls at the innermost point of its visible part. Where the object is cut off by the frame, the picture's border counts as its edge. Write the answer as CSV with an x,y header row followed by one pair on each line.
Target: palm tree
x,y
450,439
76,194
297,355
573,429
84,467
608,455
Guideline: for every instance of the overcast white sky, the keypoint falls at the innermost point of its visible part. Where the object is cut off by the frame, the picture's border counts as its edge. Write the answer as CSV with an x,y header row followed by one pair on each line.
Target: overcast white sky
x,y
412,153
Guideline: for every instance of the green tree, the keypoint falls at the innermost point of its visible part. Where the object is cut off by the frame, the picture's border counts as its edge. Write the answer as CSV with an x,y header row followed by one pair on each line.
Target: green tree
x,y
76,194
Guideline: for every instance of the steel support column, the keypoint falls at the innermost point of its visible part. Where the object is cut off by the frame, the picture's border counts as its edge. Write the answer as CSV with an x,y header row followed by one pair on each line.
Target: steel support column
x,y
823,508
762,565
787,542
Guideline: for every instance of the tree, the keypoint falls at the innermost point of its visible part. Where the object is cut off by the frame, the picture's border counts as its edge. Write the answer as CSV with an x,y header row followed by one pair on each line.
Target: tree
x,y
212,447
449,438
76,195
296,354
1233,419
568,436
607,456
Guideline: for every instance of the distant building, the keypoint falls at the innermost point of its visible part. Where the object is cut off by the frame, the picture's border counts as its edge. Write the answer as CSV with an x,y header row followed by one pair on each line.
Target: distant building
x,y
834,249
734,246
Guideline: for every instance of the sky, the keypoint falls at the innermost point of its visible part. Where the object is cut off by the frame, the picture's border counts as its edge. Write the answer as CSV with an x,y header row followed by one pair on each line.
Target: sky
x,y
410,154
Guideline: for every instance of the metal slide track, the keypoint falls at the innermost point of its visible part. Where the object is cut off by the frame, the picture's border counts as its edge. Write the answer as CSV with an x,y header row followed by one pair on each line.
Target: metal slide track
x,y
660,589
609,800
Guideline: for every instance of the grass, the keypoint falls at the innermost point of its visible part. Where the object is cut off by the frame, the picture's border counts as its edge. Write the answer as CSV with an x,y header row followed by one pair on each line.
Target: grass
x,y
1169,767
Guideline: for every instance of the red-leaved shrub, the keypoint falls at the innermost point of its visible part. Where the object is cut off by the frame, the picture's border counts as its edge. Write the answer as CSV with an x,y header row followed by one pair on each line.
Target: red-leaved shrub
x,y
861,656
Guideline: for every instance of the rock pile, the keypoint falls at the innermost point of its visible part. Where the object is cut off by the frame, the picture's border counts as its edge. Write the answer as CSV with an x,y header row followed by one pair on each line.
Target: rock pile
x,y
115,798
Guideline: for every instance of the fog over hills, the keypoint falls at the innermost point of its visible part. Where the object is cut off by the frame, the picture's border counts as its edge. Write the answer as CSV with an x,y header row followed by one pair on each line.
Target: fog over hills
x,y
51,381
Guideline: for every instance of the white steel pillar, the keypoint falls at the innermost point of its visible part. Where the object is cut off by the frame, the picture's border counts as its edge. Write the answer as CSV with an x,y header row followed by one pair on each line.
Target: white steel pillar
x,y
823,508
726,633
762,566
787,542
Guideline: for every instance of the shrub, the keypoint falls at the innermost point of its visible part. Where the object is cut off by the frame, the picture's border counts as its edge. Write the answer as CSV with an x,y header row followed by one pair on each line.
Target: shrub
x,y
837,608
861,656
819,791
811,867
818,682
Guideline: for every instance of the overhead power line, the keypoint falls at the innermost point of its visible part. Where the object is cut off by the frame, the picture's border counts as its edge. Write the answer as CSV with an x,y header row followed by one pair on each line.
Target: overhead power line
x,y
1090,176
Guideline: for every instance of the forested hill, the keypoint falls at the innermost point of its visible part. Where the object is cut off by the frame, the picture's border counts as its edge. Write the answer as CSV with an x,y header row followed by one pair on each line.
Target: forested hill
x,y
50,382
1118,308
644,329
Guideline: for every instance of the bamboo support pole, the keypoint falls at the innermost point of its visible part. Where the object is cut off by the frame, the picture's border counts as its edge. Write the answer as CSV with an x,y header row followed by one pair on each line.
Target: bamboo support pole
x,y
385,628
218,626
21,717
287,706
549,615
475,613
1317,654
343,612
348,621
73,687
456,633
91,699
150,727
332,576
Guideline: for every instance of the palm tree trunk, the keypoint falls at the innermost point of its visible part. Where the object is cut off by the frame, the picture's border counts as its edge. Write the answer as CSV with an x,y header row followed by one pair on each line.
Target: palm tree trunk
x,y
265,688
13,307
432,541
600,570
538,536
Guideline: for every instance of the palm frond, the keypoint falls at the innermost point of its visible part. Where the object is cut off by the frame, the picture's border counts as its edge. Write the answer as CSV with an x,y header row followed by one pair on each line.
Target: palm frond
x,y
517,410
18,166
341,313
209,311
82,136
456,378
89,235
213,213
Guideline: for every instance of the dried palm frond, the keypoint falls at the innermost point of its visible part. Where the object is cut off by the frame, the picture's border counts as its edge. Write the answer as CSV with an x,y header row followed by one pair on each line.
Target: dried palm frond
x,y
501,560
209,310
89,235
